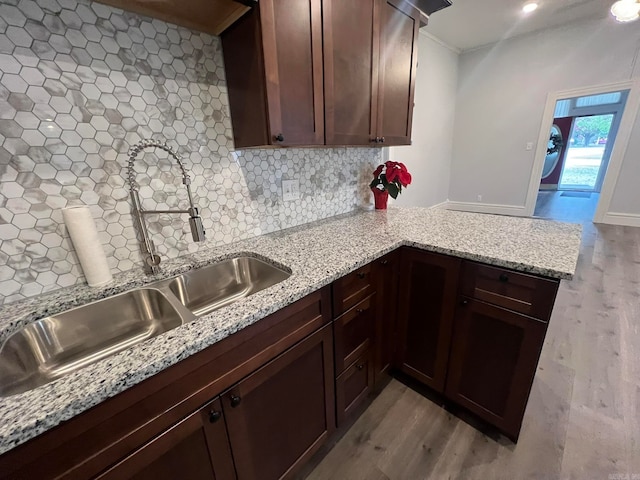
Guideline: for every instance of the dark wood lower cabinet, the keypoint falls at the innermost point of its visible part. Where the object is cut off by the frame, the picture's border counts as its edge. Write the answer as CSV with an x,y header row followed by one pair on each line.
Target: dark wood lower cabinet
x,y
467,330
494,355
428,289
281,414
197,448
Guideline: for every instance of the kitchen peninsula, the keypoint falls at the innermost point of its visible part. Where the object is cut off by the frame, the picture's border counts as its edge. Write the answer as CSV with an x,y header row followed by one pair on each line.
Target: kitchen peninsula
x,y
521,250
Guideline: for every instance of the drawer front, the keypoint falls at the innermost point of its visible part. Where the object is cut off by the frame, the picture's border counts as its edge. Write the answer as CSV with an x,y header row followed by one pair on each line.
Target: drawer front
x,y
527,294
352,288
353,332
353,386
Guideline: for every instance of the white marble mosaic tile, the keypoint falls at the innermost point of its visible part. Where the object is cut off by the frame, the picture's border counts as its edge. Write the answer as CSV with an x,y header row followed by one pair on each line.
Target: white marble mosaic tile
x,y
79,83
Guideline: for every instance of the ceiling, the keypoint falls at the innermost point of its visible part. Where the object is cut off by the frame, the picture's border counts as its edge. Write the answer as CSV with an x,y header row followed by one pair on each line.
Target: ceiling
x,y
468,24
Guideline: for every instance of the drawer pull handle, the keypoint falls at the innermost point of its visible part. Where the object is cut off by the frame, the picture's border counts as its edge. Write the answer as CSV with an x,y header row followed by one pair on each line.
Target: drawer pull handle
x,y
464,302
359,310
235,400
214,416
360,367
504,277
361,275
384,262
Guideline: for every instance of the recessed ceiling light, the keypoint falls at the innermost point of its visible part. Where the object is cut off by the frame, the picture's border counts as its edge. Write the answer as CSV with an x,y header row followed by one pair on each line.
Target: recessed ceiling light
x,y
529,7
626,10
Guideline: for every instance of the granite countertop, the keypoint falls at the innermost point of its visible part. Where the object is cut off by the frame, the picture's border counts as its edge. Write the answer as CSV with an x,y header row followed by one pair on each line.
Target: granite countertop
x,y
316,254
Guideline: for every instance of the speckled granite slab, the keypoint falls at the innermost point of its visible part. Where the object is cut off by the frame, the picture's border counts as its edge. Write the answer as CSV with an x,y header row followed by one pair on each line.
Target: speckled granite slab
x,y
316,254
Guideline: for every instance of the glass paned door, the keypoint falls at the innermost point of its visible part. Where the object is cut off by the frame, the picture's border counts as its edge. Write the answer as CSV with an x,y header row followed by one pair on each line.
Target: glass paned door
x,y
586,149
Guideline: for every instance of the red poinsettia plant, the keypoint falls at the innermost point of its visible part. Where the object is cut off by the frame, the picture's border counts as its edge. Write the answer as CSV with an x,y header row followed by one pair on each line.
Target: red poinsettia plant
x,y
391,177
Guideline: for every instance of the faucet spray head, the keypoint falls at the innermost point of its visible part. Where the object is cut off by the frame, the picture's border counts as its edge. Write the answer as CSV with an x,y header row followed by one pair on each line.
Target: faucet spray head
x,y
195,223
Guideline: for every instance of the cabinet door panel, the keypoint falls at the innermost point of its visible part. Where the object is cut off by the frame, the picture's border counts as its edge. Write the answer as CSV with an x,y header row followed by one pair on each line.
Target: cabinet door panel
x,y
351,53
493,361
386,312
398,63
292,43
281,414
427,300
196,448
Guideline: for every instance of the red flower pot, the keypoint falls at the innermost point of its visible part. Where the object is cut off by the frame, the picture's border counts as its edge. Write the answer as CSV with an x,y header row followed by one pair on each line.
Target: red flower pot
x,y
380,198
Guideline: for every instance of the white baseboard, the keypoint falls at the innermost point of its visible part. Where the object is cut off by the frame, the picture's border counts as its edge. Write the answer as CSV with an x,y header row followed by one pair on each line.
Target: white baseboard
x,y
441,205
625,219
513,210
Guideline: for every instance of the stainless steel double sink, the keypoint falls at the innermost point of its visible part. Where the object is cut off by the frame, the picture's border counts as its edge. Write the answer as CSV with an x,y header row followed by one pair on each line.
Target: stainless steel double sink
x,y
61,344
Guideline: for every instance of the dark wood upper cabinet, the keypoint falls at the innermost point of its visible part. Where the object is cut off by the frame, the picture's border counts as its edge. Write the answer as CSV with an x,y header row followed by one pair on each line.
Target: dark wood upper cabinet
x,y
494,355
196,448
400,24
351,53
428,288
273,64
281,414
316,72
370,60
211,16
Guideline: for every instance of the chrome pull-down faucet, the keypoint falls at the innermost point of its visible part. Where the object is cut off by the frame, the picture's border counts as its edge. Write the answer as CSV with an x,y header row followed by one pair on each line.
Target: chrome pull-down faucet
x,y
152,259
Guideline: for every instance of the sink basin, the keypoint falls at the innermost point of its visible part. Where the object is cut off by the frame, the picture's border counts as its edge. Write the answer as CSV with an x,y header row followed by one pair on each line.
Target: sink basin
x,y
57,345
206,289
61,344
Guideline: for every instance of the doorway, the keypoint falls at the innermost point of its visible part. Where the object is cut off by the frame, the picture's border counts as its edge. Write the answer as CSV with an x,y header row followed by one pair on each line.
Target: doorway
x,y
581,140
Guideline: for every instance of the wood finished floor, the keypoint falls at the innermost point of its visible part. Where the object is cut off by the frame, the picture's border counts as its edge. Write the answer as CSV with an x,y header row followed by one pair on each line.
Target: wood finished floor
x,y
555,205
583,417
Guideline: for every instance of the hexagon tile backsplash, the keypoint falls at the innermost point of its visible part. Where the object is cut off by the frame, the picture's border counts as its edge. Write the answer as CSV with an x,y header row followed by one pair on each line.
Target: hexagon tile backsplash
x,y
79,83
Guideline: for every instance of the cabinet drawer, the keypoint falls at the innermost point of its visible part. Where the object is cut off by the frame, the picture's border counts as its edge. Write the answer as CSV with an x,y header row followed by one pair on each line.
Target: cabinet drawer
x,y
353,332
353,386
527,294
352,288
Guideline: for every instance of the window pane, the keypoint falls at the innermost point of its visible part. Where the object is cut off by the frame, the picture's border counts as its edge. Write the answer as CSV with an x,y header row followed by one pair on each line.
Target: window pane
x,y
603,99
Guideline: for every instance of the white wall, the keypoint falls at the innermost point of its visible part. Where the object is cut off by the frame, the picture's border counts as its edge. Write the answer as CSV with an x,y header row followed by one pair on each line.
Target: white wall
x,y
501,98
429,157
626,198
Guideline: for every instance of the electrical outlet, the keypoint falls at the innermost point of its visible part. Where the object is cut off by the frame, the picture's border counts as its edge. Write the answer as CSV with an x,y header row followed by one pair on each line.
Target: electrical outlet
x,y
290,190
479,198
529,146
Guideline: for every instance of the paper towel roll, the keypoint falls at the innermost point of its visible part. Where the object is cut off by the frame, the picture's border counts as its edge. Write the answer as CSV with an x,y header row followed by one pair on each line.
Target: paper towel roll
x,y
84,236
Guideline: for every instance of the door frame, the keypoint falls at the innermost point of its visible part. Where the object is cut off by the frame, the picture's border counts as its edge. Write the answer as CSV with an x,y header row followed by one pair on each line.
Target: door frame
x,y
619,148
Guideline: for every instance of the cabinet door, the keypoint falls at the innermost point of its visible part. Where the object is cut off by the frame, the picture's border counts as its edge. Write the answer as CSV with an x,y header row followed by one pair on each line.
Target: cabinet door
x,y
386,312
428,285
351,51
292,45
196,448
281,414
493,361
400,23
